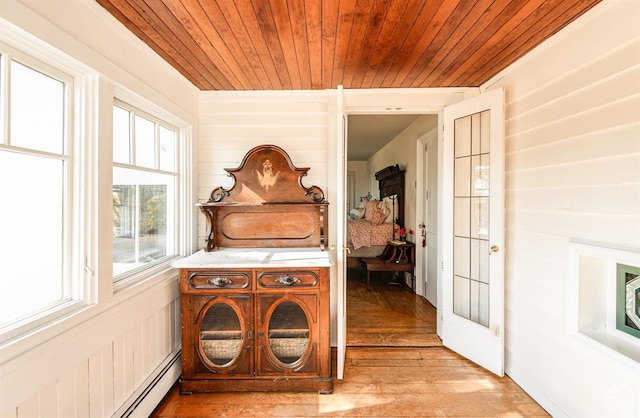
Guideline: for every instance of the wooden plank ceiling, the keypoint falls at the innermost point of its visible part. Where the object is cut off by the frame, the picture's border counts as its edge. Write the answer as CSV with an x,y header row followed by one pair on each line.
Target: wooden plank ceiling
x,y
319,44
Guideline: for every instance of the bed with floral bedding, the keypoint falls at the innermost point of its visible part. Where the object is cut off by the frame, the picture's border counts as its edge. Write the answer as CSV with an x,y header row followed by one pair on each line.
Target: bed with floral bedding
x,y
371,229
371,226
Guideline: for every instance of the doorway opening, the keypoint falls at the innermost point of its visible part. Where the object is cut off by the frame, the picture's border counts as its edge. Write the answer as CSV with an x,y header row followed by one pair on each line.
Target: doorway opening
x,y
389,314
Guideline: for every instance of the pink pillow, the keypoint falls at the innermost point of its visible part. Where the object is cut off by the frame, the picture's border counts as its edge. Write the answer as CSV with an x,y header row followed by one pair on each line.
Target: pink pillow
x,y
373,213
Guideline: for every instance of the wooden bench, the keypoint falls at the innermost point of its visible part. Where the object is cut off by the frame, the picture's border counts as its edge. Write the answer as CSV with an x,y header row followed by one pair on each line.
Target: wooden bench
x,y
396,257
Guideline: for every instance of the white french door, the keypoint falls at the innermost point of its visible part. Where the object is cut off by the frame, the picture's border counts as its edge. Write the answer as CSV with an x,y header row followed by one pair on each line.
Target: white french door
x,y
341,244
472,209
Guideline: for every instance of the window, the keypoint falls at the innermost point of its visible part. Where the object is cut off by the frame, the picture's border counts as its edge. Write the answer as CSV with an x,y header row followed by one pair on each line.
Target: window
x,y
36,178
144,190
55,237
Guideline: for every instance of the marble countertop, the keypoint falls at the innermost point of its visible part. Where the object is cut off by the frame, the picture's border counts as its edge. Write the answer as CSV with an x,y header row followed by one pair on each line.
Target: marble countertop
x,y
257,257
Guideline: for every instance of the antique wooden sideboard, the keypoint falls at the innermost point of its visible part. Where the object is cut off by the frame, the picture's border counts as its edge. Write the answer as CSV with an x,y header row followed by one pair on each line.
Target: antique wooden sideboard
x,y
255,300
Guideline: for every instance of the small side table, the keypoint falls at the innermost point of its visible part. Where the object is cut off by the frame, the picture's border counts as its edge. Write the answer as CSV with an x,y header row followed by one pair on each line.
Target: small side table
x,y
397,257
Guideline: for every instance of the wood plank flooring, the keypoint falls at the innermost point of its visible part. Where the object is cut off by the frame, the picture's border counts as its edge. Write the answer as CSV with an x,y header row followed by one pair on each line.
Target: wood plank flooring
x,y
387,315
399,370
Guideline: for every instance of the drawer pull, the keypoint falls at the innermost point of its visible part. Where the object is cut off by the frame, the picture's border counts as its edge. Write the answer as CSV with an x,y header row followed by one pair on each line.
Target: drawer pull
x,y
219,281
287,280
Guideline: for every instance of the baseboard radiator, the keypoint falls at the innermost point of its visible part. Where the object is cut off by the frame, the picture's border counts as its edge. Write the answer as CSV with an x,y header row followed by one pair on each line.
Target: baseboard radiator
x,y
145,400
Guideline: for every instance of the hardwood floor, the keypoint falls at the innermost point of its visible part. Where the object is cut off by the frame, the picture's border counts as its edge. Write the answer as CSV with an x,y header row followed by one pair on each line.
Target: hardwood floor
x,y
387,315
395,366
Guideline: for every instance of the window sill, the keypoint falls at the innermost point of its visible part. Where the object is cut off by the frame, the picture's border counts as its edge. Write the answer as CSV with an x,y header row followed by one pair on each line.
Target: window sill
x,y
615,347
139,279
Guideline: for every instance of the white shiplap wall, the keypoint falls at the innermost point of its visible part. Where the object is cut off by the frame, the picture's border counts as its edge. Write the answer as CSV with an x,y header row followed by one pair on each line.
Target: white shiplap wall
x,y
572,174
232,123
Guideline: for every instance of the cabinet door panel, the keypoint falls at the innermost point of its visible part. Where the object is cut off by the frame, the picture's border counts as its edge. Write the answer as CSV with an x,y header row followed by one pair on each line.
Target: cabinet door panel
x,y
222,334
287,334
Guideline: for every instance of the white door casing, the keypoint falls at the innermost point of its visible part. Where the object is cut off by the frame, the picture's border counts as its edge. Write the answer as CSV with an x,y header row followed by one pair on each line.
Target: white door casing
x,y
341,126
363,101
421,218
472,208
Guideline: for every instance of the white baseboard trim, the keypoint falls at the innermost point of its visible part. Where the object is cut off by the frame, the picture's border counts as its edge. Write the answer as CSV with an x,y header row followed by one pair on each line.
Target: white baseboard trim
x,y
546,403
145,400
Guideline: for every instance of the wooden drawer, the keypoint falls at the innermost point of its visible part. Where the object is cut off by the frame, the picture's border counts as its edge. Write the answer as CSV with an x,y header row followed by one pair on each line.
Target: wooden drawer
x,y
219,279
288,279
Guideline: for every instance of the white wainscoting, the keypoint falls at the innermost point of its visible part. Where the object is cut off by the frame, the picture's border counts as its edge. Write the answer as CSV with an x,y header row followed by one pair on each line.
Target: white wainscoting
x,y
120,362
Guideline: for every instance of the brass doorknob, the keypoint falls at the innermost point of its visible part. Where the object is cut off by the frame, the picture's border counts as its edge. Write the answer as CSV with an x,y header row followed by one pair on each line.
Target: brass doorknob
x,y
494,249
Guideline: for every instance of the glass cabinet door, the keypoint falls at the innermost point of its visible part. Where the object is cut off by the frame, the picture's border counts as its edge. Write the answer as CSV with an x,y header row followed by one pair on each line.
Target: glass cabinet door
x,y
288,332
223,330
220,334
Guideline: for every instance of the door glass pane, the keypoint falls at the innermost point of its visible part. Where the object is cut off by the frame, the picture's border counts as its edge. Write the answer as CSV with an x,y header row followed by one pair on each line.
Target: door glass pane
x,y
220,334
462,146
462,212
480,217
288,332
479,263
462,185
475,133
462,255
471,218
480,173
461,296
479,298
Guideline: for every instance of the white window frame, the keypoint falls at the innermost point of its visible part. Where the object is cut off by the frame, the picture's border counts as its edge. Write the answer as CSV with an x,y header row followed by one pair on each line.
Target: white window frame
x,y
140,106
89,195
77,81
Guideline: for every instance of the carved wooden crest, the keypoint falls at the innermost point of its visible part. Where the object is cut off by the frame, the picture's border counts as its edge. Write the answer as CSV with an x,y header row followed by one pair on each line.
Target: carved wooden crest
x,y
267,206
266,175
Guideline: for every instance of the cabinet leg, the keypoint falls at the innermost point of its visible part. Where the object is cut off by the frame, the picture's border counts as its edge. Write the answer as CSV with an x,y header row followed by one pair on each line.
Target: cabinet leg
x,y
184,392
